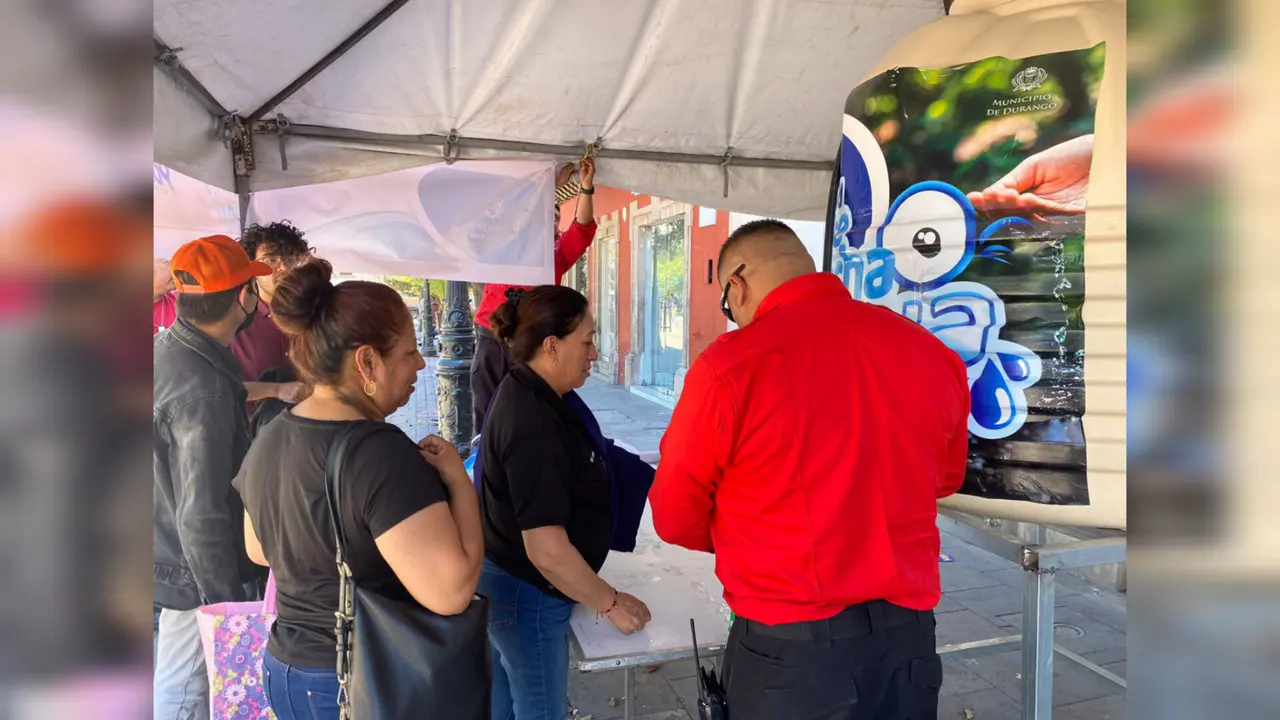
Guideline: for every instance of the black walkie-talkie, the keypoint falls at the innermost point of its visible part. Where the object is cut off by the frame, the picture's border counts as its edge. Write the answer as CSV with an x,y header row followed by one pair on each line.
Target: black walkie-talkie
x,y
711,700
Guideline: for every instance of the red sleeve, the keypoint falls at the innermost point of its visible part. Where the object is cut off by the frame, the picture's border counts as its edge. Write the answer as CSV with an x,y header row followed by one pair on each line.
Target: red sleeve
x,y
571,245
957,454
694,453
164,312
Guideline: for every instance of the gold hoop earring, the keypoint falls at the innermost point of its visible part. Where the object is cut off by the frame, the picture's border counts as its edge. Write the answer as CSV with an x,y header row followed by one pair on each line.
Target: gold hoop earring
x,y
370,388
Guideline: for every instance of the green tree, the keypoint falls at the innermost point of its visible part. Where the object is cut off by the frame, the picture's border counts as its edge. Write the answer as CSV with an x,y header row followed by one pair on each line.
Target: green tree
x,y
437,288
409,286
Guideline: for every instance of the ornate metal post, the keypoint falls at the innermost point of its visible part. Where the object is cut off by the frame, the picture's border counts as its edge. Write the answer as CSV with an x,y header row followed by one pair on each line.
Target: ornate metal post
x,y
453,369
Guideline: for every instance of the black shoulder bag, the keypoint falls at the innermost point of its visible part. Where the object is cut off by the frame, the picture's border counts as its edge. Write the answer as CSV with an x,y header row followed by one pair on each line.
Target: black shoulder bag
x,y
399,660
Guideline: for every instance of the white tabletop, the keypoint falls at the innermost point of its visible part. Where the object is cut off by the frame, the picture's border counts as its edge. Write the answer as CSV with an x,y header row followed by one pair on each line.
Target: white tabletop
x,y
677,585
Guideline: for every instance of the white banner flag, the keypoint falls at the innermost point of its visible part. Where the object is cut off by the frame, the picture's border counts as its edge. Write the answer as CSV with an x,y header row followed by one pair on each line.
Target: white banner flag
x,y
479,221
186,209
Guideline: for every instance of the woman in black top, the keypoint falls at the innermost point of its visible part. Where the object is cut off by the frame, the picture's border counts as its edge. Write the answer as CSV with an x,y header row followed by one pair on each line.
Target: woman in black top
x,y
409,511
545,499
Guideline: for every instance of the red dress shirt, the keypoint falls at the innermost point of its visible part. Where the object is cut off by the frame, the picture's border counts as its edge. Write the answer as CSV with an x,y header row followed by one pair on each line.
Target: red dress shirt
x,y
261,346
570,247
808,451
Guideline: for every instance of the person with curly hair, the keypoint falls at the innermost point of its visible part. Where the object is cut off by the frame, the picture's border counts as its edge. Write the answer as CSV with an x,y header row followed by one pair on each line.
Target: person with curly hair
x,y
259,345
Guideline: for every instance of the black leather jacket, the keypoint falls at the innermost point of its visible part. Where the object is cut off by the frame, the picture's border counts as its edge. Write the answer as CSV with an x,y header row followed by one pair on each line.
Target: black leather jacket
x,y
200,435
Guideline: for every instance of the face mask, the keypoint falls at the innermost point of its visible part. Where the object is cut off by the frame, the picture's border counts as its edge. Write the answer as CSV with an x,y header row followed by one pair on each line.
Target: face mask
x,y
248,316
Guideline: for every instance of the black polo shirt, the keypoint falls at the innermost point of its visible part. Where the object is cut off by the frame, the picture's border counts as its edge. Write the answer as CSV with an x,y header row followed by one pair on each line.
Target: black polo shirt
x,y
539,468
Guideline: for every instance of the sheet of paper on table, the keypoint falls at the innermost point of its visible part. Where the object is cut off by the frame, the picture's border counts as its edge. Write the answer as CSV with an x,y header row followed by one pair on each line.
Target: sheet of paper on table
x,y
676,584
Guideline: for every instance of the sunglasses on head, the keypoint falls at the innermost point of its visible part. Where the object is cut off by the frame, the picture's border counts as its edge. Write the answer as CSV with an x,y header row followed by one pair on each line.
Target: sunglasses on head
x,y
724,297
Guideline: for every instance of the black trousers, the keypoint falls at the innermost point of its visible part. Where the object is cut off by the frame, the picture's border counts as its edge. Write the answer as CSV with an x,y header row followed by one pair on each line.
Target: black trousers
x,y
490,364
874,661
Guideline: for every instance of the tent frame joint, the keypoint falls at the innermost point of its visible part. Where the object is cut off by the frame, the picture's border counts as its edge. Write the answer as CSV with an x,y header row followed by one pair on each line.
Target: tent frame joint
x,y
282,130
452,147
725,159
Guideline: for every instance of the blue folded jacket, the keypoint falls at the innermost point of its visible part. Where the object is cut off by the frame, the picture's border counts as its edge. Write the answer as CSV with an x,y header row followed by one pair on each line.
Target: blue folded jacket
x,y
630,478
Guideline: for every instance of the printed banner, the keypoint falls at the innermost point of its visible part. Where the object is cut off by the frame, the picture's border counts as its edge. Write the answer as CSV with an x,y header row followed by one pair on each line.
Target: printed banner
x,y
186,209
959,202
478,221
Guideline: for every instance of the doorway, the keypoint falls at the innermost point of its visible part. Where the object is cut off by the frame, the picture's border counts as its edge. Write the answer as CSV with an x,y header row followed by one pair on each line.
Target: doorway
x,y
606,308
663,293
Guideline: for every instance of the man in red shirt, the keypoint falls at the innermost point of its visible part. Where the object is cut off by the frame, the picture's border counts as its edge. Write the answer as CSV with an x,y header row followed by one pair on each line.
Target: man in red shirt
x,y
491,362
807,451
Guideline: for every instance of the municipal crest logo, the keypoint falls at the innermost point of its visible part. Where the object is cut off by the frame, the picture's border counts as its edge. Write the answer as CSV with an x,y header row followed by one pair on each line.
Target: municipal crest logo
x,y
1029,78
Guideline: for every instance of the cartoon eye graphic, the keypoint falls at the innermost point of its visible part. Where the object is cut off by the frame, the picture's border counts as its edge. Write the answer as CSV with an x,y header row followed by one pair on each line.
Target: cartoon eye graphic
x,y
930,229
927,242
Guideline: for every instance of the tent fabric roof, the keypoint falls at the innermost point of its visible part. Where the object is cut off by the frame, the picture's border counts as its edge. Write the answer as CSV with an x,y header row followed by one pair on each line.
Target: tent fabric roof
x,y
765,79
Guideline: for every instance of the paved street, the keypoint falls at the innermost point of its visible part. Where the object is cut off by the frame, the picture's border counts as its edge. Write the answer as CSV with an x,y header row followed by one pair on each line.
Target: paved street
x,y
982,598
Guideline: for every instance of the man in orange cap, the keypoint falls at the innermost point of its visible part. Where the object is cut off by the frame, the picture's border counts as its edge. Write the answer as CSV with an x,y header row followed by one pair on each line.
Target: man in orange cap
x,y
200,435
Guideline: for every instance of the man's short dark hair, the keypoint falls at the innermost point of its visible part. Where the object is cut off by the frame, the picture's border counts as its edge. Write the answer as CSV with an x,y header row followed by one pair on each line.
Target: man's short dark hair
x,y
754,227
278,238
204,309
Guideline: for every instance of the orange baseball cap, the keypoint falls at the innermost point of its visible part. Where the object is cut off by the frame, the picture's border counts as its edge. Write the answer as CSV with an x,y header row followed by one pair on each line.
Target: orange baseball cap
x,y
217,263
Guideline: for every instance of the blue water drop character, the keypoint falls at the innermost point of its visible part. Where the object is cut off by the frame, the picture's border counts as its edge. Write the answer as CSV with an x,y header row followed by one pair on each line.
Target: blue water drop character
x,y
880,273
991,400
851,270
1015,367
965,317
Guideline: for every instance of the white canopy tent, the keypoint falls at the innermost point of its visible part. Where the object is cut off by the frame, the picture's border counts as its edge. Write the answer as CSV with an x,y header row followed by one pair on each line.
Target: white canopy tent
x,y
724,103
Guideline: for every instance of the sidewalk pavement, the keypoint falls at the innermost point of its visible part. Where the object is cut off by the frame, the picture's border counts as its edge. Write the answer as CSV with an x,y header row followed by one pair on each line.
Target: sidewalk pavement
x,y
421,416
982,598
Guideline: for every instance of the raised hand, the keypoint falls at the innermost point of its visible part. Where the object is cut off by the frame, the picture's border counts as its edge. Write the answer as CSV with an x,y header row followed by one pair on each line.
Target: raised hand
x,y
443,456
564,174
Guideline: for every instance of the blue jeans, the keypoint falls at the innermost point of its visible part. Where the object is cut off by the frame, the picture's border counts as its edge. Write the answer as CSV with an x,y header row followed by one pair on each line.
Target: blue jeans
x,y
180,688
296,693
528,636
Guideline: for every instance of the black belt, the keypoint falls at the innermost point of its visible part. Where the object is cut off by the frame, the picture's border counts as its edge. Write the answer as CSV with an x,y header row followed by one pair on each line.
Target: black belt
x,y
854,621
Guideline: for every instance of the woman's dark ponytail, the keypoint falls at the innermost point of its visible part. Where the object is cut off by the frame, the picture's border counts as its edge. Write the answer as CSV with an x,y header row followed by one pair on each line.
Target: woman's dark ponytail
x,y
526,319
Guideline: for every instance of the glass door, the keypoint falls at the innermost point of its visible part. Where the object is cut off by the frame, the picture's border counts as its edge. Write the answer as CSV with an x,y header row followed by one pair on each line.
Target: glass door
x,y
664,311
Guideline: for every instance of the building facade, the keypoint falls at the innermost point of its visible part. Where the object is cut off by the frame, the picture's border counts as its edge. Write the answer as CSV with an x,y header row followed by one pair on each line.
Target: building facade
x,y
651,278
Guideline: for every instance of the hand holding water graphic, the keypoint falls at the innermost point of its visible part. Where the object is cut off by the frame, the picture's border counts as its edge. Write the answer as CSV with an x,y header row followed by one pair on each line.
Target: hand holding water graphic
x,y
1051,182
565,173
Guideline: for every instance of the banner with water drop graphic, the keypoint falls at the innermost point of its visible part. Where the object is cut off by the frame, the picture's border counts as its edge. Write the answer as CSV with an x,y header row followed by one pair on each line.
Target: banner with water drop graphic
x,y
959,201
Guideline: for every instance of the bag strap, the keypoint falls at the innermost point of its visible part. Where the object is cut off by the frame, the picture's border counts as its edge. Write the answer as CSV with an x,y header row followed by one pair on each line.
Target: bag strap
x,y
339,452
269,597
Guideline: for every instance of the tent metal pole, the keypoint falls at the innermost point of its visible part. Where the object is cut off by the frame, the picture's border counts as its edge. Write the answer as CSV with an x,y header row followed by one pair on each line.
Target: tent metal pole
x,y
330,133
242,191
166,58
306,77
